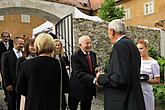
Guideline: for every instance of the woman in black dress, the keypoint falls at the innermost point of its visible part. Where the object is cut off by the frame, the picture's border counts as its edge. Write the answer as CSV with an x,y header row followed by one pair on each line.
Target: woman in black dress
x,y
28,53
59,54
40,79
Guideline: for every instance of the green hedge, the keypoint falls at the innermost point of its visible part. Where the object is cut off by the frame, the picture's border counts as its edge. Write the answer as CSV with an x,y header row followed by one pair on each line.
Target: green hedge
x,y
159,93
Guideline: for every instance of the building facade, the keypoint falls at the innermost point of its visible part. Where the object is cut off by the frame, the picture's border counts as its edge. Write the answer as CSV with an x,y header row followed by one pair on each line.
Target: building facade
x,y
19,25
149,13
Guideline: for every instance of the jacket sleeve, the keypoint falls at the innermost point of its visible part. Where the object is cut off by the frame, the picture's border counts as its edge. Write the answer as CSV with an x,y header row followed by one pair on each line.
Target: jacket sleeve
x,y
21,85
5,70
78,71
65,79
120,68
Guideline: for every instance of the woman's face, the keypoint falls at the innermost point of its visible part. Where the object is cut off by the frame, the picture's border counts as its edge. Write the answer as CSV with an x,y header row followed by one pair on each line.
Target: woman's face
x,y
31,49
58,46
142,49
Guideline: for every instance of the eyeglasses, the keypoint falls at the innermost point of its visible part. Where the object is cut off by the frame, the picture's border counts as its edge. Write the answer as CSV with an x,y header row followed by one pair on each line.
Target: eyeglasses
x,y
5,36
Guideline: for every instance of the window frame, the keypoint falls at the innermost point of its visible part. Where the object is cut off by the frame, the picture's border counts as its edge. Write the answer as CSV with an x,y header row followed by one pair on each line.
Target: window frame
x,y
128,14
149,8
2,18
25,18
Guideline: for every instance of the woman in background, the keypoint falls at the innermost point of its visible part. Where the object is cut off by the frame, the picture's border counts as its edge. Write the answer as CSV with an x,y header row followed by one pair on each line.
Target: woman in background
x,y
150,68
40,79
28,53
59,53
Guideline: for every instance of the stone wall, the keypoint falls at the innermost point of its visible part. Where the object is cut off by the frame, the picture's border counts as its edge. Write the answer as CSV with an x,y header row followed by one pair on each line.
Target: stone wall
x,y
98,33
101,43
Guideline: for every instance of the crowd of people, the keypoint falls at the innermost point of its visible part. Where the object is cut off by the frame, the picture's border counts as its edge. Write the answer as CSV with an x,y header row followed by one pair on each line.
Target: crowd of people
x,y
35,77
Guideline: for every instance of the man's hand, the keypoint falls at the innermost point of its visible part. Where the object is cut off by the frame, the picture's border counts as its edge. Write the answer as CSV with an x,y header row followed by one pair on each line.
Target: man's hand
x,y
9,88
97,75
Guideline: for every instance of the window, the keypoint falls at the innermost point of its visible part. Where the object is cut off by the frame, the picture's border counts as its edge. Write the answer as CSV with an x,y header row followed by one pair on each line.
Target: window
x,y
25,18
149,8
1,18
127,14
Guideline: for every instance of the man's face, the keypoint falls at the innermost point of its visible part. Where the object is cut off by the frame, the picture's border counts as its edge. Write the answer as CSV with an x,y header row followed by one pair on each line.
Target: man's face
x,y
111,35
86,45
5,37
19,44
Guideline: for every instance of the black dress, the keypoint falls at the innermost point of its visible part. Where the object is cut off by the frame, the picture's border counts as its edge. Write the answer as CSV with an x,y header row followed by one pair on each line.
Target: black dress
x,y
39,81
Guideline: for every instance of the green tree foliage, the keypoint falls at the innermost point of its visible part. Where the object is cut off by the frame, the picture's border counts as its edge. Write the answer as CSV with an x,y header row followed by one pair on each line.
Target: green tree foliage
x,y
109,11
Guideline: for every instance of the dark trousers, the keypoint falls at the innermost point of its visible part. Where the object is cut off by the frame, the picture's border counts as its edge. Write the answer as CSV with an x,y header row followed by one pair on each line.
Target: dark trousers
x,y
64,104
84,105
11,98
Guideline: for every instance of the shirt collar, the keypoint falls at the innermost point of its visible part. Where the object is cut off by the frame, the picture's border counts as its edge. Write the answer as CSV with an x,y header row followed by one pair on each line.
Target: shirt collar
x,y
119,38
85,52
6,43
16,51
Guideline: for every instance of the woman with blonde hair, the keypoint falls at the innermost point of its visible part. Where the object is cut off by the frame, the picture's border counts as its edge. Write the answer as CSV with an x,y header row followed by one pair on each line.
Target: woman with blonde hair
x,y
59,54
150,74
40,78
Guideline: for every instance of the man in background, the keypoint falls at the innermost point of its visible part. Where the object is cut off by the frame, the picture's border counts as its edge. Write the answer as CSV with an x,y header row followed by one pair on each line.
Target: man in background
x,y
5,45
8,66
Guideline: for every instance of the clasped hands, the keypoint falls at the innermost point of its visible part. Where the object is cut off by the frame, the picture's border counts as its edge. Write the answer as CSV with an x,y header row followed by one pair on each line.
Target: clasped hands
x,y
98,71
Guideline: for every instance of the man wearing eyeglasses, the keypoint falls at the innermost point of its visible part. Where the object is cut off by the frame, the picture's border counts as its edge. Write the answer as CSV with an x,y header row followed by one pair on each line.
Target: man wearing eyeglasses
x,y
5,45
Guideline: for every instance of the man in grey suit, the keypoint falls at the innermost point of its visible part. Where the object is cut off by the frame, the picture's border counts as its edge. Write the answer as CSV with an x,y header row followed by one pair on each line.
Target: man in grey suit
x,y
8,66
122,82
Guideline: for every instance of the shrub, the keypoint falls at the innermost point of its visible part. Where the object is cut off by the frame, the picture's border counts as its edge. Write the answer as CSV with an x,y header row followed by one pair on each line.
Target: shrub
x,y
159,93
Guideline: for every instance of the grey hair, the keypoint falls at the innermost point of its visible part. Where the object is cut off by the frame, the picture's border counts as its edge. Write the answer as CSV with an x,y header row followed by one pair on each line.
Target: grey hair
x,y
82,38
118,26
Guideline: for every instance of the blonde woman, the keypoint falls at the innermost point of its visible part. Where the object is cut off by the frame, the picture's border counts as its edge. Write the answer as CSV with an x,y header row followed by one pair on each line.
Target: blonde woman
x,y
40,77
59,52
150,68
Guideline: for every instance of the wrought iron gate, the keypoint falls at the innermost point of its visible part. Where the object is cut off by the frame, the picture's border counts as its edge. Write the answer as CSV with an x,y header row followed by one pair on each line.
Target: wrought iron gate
x,y
64,31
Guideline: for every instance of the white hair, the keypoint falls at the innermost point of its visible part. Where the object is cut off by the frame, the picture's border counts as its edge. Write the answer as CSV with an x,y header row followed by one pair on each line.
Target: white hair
x,y
118,26
82,38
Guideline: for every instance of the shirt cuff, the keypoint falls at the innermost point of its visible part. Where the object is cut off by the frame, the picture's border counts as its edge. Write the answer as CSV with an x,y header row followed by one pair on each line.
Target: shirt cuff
x,y
94,81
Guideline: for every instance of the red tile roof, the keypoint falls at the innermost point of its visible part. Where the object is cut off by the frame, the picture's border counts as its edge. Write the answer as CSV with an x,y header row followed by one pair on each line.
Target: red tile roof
x,y
92,4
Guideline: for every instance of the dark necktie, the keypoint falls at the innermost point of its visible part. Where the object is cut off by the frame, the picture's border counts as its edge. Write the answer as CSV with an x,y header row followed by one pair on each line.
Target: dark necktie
x,y
89,63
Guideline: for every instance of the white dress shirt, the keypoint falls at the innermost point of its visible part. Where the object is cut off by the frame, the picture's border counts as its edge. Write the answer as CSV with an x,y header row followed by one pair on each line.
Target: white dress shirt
x,y
17,53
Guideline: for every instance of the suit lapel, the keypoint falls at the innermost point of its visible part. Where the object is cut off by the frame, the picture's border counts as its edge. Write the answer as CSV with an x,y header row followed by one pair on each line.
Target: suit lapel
x,y
13,54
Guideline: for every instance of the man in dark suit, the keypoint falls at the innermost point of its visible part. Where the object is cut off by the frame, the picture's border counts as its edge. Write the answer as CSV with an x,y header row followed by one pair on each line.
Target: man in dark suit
x,y
8,66
82,80
5,45
122,89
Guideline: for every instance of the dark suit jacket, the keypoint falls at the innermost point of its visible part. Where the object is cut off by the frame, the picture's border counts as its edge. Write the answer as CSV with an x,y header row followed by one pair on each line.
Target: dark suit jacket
x,y
8,64
39,80
3,48
81,80
122,84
